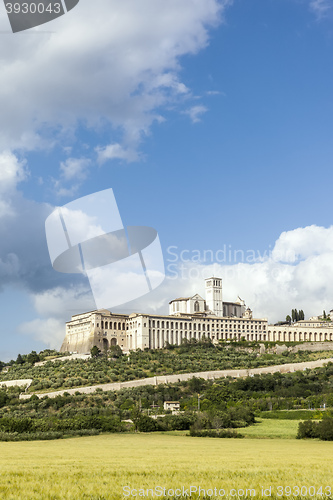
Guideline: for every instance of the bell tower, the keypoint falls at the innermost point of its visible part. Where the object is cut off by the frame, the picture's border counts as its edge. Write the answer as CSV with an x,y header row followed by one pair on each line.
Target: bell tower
x,y
214,295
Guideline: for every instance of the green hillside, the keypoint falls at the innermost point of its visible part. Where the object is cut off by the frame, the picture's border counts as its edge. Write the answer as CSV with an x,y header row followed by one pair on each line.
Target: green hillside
x,y
190,357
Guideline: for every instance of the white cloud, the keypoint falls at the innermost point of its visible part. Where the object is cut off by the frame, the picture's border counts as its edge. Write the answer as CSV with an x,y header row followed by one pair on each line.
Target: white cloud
x,y
73,171
50,331
215,92
320,7
12,171
196,112
75,168
116,152
271,286
103,63
54,307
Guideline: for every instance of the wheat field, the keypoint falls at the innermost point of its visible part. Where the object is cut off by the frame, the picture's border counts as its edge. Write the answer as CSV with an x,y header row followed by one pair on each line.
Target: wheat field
x,y
99,467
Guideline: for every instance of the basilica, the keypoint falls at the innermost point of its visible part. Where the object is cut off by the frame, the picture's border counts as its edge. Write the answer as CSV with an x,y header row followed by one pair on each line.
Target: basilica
x,y
188,318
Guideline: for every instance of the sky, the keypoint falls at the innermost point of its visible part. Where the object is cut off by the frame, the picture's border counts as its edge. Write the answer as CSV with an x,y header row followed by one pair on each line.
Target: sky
x,y
211,120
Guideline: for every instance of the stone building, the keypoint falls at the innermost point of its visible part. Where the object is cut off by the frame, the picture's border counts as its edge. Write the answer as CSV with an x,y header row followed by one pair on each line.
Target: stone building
x,y
189,318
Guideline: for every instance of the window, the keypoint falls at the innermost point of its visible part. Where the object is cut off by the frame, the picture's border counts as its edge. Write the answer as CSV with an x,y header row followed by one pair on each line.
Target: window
x,y
196,306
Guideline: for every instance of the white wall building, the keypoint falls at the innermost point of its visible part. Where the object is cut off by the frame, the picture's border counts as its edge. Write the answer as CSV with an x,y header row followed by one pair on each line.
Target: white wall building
x,y
189,318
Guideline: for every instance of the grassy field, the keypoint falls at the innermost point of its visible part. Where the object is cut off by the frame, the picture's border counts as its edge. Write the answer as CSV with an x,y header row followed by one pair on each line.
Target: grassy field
x,y
269,428
98,468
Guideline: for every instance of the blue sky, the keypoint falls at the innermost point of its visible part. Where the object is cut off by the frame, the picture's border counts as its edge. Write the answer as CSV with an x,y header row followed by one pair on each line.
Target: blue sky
x,y
212,122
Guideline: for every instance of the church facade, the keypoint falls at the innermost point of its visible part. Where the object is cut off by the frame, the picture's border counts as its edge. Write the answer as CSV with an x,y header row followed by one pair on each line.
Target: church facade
x,y
189,318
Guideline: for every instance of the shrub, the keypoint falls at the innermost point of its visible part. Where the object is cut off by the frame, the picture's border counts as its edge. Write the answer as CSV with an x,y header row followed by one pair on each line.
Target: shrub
x,y
147,424
307,429
325,429
222,433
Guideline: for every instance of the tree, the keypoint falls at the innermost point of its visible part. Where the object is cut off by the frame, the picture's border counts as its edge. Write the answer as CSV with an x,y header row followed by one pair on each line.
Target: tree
x,y
136,416
115,351
19,360
33,357
324,314
288,319
147,424
95,351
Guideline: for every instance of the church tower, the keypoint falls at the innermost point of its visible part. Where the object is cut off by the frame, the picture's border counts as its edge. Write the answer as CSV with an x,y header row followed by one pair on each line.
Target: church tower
x,y
214,295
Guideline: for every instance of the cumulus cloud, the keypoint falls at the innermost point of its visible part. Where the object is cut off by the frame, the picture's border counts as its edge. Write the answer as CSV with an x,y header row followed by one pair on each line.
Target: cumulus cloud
x,y
116,151
103,63
75,168
73,171
54,307
50,331
12,171
24,257
195,113
298,272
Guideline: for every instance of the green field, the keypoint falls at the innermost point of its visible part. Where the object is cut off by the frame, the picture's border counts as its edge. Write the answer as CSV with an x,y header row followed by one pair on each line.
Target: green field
x,y
269,428
97,468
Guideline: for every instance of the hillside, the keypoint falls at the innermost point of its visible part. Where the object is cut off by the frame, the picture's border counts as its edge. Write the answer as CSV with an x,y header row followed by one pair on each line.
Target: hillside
x,y
190,357
224,404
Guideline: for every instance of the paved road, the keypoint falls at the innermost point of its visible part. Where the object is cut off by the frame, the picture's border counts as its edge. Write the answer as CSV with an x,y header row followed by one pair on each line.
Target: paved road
x,y
169,379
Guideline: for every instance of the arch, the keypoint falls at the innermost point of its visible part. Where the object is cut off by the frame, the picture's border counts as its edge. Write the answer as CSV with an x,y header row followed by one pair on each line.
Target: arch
x,y
105,344
115,326
119,326
196,306
113,341
124,326
106,325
